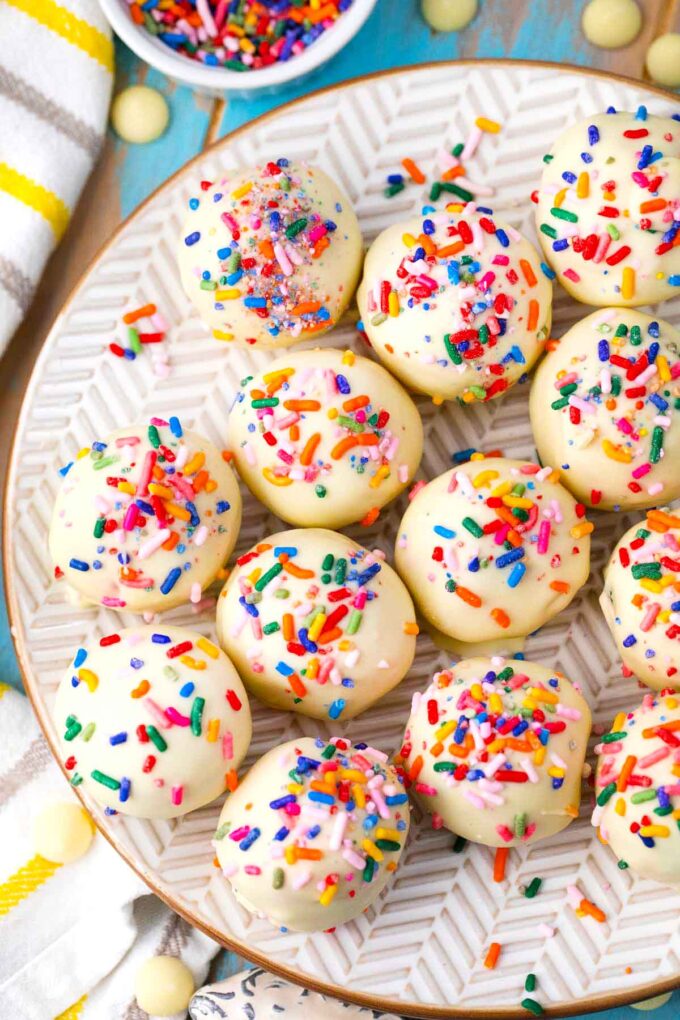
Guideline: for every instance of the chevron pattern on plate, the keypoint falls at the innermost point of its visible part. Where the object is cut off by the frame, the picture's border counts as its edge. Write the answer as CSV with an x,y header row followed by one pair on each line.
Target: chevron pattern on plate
x,y
423,942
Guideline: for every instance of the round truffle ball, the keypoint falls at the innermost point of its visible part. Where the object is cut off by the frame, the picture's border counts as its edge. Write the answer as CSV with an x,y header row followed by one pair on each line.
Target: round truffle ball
x,y
164,986
603,409
493,549
316,624
604,209
145,519
270,255
62,832
312,834
641,602
496,749
638,757
325,438
152,721
663,60
455,304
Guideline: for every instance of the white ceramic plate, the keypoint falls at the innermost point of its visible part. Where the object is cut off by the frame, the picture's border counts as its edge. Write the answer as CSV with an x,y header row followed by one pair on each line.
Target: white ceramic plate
x,y
420,948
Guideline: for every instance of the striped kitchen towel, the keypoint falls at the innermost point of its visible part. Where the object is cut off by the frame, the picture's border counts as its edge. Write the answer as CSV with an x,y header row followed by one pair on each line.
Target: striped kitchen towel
x,y
56,73
72,936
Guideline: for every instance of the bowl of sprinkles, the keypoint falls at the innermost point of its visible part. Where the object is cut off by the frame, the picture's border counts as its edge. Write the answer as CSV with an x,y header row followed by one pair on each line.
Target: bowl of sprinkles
x,y
238,46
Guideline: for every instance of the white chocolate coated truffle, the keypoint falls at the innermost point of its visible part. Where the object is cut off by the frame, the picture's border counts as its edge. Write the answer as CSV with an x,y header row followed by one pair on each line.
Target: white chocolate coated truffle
x,y
62,832
146,519
638,790
605,209
164,986
315,849
139,114
611,24
522,785
152,721
663,60
641,599
323,438
317,624
449,15
271,255
493,549
455,304
605,409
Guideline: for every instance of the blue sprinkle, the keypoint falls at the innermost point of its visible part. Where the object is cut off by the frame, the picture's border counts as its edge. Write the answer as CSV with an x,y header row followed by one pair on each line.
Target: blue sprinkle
x,y
342,384
175,426
248,840
603,350
124,791
593,135
250,608
290,798
79,565
281,834
337,708
287,550
192,238
187,690
516,574
284,669
510,557
171,580
160,639
320,798
118,738
222,506
502,237
80,657
547,271
629,641
443,532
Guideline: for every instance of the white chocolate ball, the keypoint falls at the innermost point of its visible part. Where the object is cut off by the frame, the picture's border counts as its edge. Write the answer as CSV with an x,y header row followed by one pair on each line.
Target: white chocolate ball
x,y
62,832
663,60
640,592
654,1003
164,986
613,431
451,328
637,789
316,624
139,114
455,773
337,439
611,24
476,575
145,520
606,235
152,720
316,850
270,255
449,15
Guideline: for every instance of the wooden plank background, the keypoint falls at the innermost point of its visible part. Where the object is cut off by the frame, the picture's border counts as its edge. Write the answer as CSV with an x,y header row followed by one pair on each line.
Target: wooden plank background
x,y
395,34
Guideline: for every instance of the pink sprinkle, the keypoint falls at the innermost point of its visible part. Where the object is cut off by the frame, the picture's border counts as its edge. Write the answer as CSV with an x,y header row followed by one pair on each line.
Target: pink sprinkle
x,y
238,834
572,275
654,757
176,717
228,746
145,476
505,833
131,515
624,425
114,603
177,795
649,619
642,470
252,869
543,537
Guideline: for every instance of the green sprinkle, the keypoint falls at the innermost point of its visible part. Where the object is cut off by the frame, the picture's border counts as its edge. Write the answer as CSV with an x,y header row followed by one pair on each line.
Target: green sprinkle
x,y
622,865
532,1006
564,214
273,572
133,340
459,844
389,845
320,491
606,794
613,232
328,752
455,189
656,445
76,779
642,795
435,191
445,766
611,738
452,350
472,527
154,438
379,318
557,405
520,825
295,228
478,391
328,561
265,402
99,527
530,983
549,231
156,739
271,628
393,189
567,390
208,284
457,149
278,878
88,732
367,873
73,730
530,891
223,831
650,570
103,462
354,621
109,781
340,571
635,336
506,674
197,715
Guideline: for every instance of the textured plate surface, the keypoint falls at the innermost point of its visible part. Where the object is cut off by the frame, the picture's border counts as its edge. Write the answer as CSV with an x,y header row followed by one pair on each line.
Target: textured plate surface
x,y
420,949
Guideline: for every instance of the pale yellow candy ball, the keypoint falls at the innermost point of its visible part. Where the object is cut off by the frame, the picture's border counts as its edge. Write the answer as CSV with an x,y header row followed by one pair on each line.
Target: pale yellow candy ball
x,y
449,15
658,1000
164,986
139,114
663,60
611,23
62,832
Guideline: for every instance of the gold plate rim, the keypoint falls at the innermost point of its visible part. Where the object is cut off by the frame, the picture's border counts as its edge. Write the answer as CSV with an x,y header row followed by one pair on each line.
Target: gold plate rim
x,y
609,1000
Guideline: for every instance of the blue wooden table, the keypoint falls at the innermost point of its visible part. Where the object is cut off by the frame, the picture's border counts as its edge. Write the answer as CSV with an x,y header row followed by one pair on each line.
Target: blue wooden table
x,y
394,35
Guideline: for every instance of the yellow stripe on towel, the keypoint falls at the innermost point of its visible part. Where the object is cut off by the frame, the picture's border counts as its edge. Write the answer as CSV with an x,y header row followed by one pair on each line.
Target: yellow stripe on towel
x,y
74,1011
23,882
34,195
74,30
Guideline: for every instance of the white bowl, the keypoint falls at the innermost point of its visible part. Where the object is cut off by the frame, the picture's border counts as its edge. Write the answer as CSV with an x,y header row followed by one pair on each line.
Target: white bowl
x,y
219,79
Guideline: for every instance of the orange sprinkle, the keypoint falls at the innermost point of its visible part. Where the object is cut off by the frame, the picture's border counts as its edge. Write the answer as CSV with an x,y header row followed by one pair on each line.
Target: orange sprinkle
x,y
411,628
294,433
305,854
319,248
139,691
416,767
309,449
452,173
491,958
298,571
371,517
305,307
561,586
297,685
302,405
501,617
532,319
589,908
266,248
414,172
625,773
499,862
450,249
288,627
139,313
468,596
327,636
356,402
654,205
363,439
171,541
528,272
231,779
